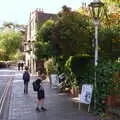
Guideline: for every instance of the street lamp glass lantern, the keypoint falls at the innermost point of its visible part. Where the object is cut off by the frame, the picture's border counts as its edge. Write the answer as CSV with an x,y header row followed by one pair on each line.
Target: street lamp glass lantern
x,y
96,9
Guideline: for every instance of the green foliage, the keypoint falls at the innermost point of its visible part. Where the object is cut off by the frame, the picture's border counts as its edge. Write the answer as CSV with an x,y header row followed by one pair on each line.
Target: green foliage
x,y
80,66
9,43
111,1
42,49
44,44
61,60
18,56
72,33
110,42
109,35
51,66
105,82
72,76
68,64
44,31
76,68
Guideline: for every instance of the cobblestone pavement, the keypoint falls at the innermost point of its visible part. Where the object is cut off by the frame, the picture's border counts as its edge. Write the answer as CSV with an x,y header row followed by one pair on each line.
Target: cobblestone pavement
x,y
60,107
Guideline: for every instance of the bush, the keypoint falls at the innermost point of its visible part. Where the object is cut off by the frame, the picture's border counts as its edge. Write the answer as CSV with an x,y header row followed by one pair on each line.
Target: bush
x,y
80,66
50,66
105,82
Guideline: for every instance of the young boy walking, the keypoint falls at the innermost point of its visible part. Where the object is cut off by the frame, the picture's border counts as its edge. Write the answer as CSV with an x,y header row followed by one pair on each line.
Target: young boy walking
x,y
26,78
40,95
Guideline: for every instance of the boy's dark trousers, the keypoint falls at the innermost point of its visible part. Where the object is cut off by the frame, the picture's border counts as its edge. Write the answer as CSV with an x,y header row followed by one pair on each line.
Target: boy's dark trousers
x,y
26,87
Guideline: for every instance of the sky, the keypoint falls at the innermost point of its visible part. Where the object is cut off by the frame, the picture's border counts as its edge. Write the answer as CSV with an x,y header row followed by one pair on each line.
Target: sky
x,y
18,11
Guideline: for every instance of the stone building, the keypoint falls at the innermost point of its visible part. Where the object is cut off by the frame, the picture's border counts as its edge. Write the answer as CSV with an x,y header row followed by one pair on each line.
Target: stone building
x,y
36,17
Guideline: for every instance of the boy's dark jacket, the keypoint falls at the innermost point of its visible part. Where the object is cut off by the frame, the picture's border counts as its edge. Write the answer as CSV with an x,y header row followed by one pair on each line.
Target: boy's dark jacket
x,y
26,76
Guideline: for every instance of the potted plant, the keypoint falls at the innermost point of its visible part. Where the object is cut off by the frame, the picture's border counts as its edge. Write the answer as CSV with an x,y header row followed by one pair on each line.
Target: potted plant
x,y
51,68
72,77
75,87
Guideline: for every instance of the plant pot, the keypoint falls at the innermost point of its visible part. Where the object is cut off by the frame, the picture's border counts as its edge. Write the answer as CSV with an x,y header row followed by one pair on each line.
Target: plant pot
x,y
75,91
69,92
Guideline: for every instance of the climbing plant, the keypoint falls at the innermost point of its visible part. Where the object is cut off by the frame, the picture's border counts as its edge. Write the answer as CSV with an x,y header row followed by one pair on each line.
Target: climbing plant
x,y
105,83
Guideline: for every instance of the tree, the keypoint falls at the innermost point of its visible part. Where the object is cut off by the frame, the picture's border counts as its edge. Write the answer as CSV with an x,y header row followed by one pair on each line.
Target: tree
x,y
111,1
69,35
9,43
72,33
13,26
44,44
109,42
110,35
44,31
12,29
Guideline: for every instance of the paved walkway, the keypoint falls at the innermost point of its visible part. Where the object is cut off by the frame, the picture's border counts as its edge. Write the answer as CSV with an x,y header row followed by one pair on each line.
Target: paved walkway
x,y
60,107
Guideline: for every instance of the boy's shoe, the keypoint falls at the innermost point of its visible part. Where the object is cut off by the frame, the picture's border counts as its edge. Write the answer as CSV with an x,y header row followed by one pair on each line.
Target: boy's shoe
x,y
43,109
37,109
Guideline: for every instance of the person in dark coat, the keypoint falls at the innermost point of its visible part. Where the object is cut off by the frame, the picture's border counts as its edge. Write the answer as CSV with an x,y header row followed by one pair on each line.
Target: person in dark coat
x,y
26,78
18,66
40,95
22,65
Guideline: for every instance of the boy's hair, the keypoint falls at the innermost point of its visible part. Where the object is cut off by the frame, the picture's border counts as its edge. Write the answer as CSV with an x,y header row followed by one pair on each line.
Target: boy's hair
x,y
39,78
26,68
42,76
